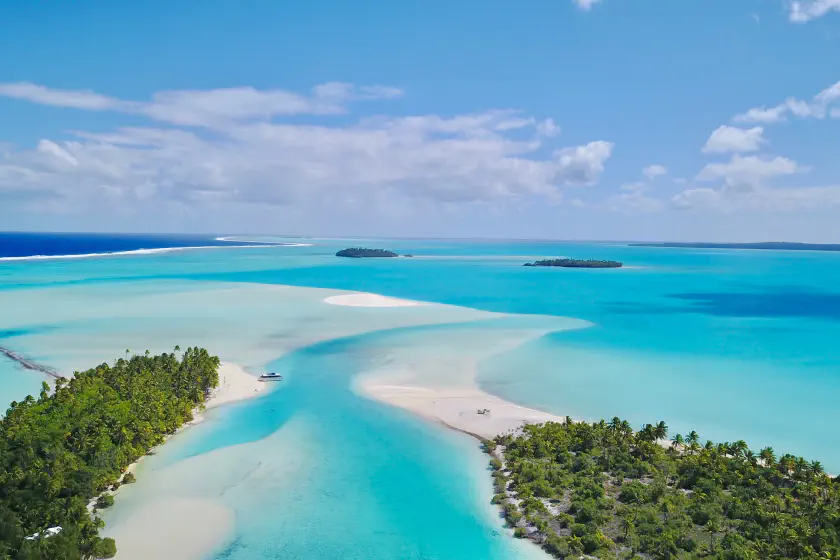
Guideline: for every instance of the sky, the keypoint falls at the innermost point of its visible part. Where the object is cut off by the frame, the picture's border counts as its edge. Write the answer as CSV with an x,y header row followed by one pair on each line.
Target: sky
x,y
691,120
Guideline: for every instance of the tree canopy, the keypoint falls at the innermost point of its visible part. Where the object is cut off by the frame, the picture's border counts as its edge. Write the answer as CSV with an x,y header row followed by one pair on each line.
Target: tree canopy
x,y
606,491
576,263
364,253
61,450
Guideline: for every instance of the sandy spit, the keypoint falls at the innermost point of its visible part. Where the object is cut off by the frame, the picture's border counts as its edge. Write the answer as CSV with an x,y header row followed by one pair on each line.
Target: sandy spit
x,y
370,300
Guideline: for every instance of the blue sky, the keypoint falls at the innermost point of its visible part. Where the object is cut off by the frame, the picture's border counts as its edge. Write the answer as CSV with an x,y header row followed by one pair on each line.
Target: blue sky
x,y
613,119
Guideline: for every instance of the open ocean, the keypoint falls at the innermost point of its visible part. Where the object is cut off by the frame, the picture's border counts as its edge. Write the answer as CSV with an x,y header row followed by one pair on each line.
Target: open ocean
x,y
736,344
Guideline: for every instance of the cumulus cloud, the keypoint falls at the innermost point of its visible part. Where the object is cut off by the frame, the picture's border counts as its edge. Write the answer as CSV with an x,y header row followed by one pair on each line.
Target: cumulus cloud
x,y
654,171
727,139
745,184
803,11
226,145
749,171
818,107
582,165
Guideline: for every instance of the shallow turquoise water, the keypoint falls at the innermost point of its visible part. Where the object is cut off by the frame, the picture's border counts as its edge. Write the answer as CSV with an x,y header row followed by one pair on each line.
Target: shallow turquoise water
x,y
734,344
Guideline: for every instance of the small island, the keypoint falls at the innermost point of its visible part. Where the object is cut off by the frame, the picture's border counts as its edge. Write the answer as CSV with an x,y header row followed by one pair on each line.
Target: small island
x,y
603,490
364,253
63,453
576,263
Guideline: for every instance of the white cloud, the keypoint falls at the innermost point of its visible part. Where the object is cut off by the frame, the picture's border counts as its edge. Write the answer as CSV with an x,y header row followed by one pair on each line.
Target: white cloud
x,y
634,201
765,115
654,171
764,199
817,108
803,11
79,99
548,128
727,139
48,147
750,171
697,199
583,164
586,5
208,108
247,157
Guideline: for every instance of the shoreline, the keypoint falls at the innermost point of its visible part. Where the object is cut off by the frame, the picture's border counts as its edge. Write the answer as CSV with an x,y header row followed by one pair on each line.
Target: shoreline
x,y
235,384
460,409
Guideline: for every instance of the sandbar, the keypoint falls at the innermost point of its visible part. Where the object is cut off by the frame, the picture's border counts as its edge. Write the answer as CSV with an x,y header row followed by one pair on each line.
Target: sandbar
x,y
469,410
369,300
235,384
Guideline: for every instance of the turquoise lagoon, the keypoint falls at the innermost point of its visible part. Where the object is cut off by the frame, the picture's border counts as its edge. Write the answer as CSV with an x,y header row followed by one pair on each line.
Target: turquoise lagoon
x,y
734,344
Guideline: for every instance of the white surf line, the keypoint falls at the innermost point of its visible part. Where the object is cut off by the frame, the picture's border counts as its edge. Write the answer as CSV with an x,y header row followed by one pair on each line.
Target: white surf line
x,y
142,252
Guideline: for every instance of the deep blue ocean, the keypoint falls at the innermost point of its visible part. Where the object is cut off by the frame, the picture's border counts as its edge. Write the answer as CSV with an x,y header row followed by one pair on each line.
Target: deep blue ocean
x,y
25,244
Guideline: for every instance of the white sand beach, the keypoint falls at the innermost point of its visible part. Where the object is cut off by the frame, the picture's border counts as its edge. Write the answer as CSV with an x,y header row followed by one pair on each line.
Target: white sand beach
x,y
436,377
468,409
235,384
370,300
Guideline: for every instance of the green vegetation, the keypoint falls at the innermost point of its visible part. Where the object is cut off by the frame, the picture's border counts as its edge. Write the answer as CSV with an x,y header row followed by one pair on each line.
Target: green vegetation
x,y
363,253
62,450
605,491
577,263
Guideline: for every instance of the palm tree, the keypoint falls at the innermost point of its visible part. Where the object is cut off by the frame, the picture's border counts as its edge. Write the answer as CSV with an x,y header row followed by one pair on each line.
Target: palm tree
x,y
768,457
646,433
614,426
817,468
626,428
677,441
712,527
739,448
786,464
660,431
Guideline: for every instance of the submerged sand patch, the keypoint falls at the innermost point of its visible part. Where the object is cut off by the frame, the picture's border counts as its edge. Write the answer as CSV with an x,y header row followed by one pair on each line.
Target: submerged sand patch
x,y
174,527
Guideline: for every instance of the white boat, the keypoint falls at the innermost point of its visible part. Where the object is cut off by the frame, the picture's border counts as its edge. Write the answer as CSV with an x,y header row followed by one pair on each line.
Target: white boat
x,y
271,377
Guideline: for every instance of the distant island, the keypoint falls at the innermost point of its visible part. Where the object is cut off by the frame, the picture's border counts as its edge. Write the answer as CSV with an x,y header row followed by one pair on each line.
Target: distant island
x,y
603,490
577,263
766,246
363,253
